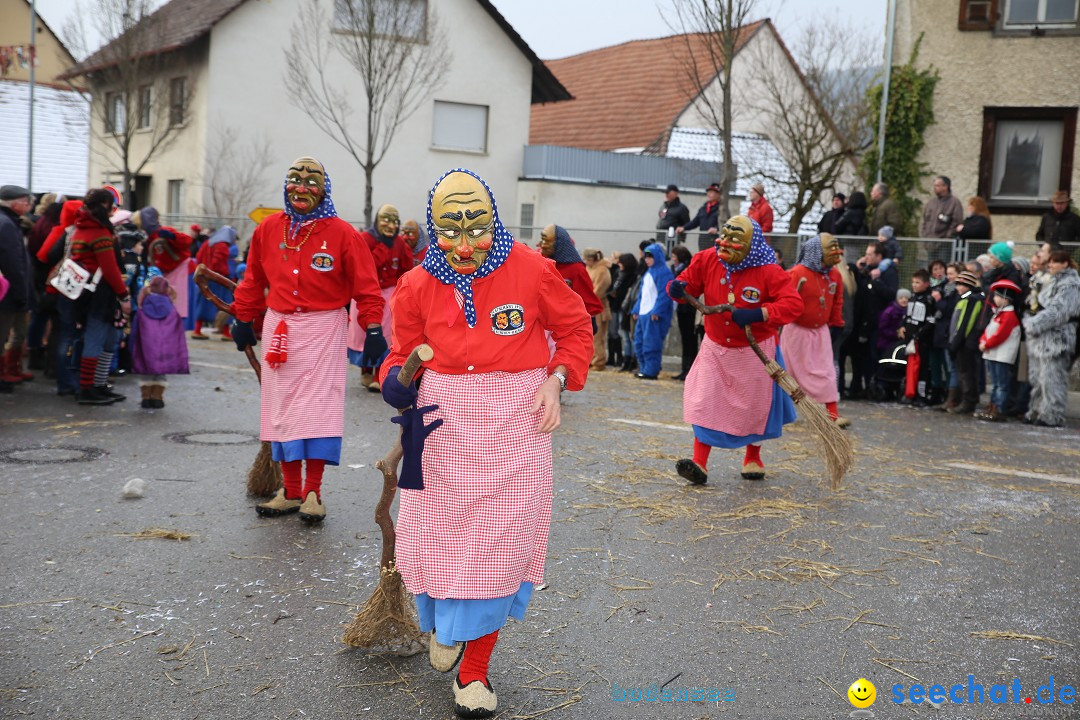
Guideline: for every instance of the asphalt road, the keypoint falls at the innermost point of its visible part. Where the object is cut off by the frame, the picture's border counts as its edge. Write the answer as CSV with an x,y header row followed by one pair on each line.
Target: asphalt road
x,y
778,594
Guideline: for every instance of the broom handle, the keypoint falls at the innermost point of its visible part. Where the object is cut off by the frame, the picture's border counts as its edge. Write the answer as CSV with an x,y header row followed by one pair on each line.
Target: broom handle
x,y
389,464
710,309
204,275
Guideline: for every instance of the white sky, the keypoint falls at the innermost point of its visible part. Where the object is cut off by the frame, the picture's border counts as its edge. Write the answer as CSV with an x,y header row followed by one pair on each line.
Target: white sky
x,y
557,28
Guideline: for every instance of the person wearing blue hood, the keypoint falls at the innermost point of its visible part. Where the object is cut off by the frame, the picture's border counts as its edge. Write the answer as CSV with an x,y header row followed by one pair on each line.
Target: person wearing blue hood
x,y
653,311
214,254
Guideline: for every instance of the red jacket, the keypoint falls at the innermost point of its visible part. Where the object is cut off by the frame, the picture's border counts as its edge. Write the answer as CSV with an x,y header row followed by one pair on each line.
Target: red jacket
x,y
418,257
330,268
765,286
390,262
215,257
514,306
166,254
822,295
92,246
761,211
67,218
577,277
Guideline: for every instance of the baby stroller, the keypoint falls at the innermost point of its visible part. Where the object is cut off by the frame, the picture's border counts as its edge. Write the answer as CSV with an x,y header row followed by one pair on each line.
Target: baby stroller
x,y
888,382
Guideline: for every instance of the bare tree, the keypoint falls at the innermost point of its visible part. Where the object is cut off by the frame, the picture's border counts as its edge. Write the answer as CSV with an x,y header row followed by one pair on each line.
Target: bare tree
x,y
397,52
710,29
140,96
816,111
234,172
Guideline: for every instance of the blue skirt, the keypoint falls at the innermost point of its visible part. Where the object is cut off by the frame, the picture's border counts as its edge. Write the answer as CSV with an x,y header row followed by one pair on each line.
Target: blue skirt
x,y
205,310
781,412
324,448
457,621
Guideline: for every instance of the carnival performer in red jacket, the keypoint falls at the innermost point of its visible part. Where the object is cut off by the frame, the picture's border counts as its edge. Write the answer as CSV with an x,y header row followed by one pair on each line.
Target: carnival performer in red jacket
x,y
303,266
170,251
729,398
556,243
807,342
474,516
410,233
392,258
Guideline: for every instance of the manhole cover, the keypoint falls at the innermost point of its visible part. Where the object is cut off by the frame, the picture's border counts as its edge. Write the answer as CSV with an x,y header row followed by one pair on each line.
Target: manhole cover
x,y
45,454
212,437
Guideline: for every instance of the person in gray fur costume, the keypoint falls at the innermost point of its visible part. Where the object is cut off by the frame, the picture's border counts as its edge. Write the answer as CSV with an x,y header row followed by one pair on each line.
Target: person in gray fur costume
x,y
1051,340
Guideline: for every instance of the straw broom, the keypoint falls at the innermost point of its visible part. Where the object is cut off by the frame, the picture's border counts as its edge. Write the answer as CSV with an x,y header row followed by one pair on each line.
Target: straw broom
x,y
264,477
834,445
387,621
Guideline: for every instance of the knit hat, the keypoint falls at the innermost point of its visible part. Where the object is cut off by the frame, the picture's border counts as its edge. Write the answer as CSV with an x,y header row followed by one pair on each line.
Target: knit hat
x,y
1006,289
887,232
1022,264
903,293
967,278
1002,252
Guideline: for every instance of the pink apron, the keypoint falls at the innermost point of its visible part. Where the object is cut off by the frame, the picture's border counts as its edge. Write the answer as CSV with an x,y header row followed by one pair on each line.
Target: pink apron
x,y
178,278
728,389
479,528
809,358
305,396
358,334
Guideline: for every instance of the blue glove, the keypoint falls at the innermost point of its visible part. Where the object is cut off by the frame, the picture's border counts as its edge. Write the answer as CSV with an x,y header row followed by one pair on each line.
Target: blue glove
x,y
747,316
374,347
243,334
166,234
676,289
413,434
395,394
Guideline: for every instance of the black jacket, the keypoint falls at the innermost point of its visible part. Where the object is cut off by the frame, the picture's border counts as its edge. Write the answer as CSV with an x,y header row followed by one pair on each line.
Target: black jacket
x,y
853,221
975,227
14,263
706,218
875,296
1058,229
672,214
920,329
827,223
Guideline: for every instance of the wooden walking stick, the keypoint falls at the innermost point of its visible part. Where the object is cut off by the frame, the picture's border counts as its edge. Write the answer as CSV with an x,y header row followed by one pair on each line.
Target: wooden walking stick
x,y
835,446
264,477
387,621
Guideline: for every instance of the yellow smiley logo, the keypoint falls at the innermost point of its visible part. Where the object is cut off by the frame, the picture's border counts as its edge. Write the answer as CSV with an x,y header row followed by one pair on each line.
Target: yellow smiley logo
x,y
862,693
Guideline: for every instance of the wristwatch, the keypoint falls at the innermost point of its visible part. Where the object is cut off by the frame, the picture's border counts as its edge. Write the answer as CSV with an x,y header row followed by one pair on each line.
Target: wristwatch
x,y
561,377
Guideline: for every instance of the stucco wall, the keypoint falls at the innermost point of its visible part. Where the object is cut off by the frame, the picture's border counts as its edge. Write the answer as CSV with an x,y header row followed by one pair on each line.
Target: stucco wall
x,y
245,91
979,69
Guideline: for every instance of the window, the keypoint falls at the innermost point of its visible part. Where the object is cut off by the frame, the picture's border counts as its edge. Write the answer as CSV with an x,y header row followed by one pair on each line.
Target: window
x,y
1027,155
145,105
114,113
392,18
460,127
977,14
526,221
175,204
177,101
1049,14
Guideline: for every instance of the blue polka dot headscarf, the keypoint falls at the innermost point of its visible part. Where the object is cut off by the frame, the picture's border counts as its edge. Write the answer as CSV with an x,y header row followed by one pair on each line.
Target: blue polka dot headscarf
x,y
435,261
812,256
760,252
325,209
565,253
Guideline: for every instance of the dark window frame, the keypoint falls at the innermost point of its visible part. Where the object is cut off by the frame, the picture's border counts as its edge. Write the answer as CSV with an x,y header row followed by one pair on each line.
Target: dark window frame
x,y
991,116
146,108
178,105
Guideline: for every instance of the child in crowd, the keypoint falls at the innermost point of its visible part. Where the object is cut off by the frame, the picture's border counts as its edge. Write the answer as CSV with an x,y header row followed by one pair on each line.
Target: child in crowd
x,y
1000,345
159,347
893,252
918,331
964,332
938,274
942,371
891,322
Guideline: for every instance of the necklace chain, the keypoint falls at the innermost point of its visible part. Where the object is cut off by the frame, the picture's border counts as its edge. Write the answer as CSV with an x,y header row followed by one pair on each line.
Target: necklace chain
x,y
285,237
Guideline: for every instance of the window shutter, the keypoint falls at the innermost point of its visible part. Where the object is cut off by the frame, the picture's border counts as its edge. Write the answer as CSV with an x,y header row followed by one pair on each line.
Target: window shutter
x,y
977,14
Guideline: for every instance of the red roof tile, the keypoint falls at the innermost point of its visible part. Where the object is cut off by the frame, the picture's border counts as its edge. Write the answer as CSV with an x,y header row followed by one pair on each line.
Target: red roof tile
x,y
625,96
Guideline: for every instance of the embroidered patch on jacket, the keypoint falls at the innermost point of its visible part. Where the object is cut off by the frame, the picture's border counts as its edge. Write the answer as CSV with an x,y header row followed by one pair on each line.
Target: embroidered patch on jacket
x,y
395,263
832,288
508,319
751,294
323,262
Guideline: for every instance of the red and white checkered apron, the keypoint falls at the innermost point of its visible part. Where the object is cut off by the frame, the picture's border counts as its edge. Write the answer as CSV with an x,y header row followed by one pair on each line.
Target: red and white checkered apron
x,y
357,334
809,358
479,528
727,388
305,397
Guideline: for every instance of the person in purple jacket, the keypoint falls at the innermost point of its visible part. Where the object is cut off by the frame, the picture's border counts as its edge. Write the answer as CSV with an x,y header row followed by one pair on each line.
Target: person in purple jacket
x,y
159,347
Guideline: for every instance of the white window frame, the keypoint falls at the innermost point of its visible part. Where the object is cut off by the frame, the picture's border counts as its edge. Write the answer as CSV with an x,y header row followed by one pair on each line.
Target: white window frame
x,y
338,24
458,148
1041,13
115,113
174,201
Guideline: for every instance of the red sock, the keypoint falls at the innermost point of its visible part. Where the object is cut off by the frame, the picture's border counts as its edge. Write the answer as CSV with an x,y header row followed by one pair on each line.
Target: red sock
x,y
701,453
474,663
290,472
753,454
87,368
313,481
833,411
198,327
